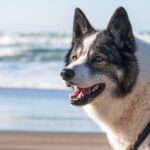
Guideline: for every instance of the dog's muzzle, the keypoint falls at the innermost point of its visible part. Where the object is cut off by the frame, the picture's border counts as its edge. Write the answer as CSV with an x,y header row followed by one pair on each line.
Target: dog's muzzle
x,y
81,96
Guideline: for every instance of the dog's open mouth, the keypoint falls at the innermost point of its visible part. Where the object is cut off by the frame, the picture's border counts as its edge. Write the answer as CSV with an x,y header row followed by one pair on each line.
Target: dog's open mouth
x,y
83,96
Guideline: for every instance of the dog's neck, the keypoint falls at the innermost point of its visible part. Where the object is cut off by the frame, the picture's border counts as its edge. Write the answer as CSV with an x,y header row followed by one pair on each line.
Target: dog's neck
x,y
121,118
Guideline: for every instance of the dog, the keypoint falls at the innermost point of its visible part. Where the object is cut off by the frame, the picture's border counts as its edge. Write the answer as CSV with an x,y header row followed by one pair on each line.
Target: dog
x,y
109,72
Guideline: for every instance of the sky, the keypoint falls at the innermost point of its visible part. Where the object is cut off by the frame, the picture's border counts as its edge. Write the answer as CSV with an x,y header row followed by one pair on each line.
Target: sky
x,y
57,15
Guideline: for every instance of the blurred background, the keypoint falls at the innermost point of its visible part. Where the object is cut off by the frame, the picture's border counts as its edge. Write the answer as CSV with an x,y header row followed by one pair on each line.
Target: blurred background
x,y
34,38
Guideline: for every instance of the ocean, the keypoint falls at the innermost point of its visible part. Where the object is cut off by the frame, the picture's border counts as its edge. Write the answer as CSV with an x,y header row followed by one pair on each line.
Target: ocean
x,y
32,95
35,59
41,111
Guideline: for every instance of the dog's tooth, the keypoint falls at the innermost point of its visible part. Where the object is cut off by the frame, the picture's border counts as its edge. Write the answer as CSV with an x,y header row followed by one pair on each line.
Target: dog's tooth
x,y
79,96
95,88
75,87
74,99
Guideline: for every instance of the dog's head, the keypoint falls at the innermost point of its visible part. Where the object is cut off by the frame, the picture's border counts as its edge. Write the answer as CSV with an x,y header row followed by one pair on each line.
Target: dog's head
x,y
100,62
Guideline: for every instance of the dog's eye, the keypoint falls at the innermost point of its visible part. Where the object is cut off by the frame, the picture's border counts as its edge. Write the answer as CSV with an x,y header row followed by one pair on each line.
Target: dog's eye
x,y
98,59
74,58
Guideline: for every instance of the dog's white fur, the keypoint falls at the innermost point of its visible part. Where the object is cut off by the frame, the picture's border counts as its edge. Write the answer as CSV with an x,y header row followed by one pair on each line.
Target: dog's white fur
x,y
122,119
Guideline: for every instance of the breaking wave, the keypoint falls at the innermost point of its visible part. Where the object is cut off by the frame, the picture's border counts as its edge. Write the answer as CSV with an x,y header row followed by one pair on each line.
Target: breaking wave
x,y
33,47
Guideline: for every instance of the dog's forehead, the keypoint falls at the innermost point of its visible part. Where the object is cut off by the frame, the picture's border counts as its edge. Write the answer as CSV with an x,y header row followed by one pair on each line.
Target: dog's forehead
x,y
88,42
94,41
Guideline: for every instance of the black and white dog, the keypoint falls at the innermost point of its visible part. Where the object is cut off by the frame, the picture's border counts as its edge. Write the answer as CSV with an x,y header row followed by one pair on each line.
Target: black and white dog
x,y
111,82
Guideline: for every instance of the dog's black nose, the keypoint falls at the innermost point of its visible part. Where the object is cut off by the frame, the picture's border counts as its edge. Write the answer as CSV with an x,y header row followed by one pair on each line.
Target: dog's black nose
x,y
67,74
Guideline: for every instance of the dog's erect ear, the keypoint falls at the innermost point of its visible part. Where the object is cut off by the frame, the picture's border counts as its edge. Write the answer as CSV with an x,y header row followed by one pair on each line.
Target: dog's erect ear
x,y
121,30
81,25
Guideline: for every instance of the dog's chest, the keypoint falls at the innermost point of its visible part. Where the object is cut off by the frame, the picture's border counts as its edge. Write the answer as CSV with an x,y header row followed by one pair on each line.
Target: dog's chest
x,y
115,141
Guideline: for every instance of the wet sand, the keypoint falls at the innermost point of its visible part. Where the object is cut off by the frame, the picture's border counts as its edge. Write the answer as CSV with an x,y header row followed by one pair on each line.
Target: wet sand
x,y
52,141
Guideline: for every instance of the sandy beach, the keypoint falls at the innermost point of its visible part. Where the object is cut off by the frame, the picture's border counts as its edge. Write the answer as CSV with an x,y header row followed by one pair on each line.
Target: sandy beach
x,y
52,141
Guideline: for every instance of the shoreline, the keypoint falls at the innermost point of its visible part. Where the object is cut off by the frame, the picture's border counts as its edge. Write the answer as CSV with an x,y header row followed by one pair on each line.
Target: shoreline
x,y
52,141
35,89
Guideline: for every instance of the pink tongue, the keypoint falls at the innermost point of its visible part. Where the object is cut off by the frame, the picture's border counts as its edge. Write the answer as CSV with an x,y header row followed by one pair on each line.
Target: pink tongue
x,y
84,92
76,92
